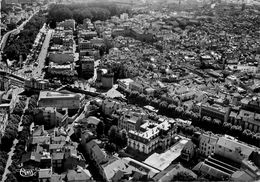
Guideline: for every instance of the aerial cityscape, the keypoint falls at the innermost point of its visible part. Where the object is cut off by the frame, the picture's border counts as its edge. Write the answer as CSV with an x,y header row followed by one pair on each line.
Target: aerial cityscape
x,y
129,90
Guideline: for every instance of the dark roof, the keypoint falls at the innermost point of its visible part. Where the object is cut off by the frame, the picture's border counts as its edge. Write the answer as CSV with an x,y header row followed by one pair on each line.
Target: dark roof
x,y
31,156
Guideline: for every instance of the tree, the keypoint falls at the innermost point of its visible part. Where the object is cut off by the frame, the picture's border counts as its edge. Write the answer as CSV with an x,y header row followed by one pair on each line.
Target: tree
x,y
195,118
2,168
247,136
100,129
176,101
124,138
133,97
11,178
141,99
183,176
236,131
155,103
187,114
257,139
227,127
171,109
110,147
163,107
112,133
179,111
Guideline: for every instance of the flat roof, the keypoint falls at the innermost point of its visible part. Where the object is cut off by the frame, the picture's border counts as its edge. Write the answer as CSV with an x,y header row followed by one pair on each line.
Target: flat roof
x,y
162,161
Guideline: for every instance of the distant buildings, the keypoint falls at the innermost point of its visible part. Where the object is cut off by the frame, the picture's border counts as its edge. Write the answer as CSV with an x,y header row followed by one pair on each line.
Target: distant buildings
x,y
67,24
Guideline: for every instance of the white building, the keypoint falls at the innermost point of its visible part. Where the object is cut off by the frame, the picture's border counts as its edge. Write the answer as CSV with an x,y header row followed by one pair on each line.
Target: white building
x,y
124,83
150,139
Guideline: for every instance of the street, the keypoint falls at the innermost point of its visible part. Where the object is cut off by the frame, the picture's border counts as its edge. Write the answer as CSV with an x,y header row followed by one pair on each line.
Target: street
x,y
37,72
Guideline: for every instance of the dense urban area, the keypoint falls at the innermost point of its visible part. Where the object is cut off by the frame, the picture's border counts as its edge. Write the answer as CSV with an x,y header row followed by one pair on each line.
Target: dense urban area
x,y
152,90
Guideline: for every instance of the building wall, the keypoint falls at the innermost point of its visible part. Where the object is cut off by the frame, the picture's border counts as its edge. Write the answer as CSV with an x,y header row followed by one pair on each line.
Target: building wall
x,y
59,103
207,144
108,108
107,81
214,113
61,58
136,87
85,45
235,151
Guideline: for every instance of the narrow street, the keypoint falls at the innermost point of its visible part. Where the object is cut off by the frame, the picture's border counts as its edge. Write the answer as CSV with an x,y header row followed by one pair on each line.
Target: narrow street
x,y
11,153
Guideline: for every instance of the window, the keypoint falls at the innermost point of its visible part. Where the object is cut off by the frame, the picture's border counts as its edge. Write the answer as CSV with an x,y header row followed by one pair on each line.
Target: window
x,y
219,146
230,150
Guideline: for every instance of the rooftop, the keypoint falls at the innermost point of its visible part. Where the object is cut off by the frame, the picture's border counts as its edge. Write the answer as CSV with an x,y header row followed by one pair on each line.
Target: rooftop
x,y
162,161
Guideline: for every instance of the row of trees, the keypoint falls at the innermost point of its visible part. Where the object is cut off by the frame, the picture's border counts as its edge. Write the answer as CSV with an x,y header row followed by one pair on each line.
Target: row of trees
x,y
172,108
3,160
22,43
10,132
23,137
79,12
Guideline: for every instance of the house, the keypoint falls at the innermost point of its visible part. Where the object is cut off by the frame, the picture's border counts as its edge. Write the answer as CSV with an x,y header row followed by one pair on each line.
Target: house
x,y
51,117
207,144
109,106
60,100
167,174
151,136
131,120
188,151
31,159
78,175
215,111
124,83
233,149
57,160
90,123
44,175
95,153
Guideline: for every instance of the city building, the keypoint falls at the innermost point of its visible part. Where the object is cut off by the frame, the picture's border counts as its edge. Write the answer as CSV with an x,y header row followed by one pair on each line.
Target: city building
x,y
162,161
67,24
107,80
110,106
188,151
60,100
87,66
233,149
51,117
207,144
131,120
62,57
215,111
124,83
149,137
36,85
